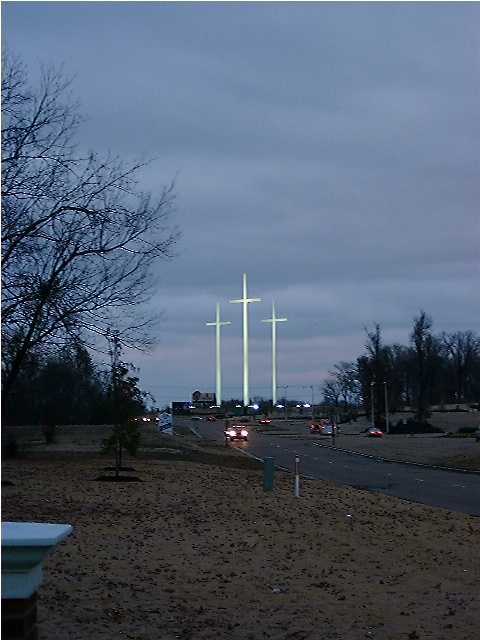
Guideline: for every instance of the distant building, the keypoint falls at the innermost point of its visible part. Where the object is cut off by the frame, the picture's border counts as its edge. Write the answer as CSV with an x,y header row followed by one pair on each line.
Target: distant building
x,y
203,400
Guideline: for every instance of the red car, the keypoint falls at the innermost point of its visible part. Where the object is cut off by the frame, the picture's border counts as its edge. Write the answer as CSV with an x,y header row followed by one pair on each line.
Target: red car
x,y
323,427
211,419
373,432
265,421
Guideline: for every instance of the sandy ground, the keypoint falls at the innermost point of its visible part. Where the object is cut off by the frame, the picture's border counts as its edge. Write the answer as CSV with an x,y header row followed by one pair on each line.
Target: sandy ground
x,y
198,550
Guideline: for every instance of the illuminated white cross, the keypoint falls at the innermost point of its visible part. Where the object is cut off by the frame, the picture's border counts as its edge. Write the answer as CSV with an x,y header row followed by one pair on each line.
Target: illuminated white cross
x,y
245,301
218,368
273,320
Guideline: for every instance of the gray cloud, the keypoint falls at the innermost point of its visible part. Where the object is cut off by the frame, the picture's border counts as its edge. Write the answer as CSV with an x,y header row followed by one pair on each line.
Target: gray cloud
x,y
330,150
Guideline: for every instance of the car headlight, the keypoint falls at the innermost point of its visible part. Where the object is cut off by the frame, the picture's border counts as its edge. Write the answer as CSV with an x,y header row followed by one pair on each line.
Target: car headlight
x,y
244,432
232,433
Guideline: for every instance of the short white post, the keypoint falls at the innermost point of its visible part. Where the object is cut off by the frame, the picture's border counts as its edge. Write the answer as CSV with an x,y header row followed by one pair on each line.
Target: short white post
x,y
297,477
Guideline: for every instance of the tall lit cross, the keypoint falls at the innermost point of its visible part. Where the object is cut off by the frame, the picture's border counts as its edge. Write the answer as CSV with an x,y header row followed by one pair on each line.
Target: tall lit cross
x,y
218,368
273,320
245,301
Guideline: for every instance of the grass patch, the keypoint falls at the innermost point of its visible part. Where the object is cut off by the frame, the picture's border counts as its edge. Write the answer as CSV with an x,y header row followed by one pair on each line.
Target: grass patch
x,y
470,463
217,455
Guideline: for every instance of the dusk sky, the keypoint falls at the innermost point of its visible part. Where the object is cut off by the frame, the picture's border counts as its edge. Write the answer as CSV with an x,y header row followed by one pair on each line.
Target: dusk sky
x,y
331,151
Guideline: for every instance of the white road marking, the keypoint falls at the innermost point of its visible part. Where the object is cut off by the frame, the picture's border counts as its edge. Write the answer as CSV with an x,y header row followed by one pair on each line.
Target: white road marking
x,y
462,486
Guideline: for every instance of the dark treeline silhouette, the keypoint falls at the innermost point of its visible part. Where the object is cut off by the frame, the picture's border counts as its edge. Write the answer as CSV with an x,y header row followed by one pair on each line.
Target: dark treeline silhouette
x,y
68,388
432,370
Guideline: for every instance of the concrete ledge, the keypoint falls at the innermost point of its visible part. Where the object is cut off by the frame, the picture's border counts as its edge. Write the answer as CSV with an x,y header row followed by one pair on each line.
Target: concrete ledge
x,y
24,547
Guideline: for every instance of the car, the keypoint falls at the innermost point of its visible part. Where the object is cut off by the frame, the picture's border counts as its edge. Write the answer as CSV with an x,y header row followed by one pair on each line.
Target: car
x,y
265,421
211,419
373,432
236,432
324,427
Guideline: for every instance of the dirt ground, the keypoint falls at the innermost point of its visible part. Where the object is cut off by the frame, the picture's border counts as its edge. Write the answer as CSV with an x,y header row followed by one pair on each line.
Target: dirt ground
x,y
198,551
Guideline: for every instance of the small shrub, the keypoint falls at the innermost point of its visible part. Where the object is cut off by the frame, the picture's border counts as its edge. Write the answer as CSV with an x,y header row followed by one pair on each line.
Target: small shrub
x,y
412,427
126,437
467,430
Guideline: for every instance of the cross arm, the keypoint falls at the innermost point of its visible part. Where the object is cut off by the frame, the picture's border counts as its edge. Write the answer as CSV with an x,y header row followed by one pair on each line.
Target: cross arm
x,y
247,300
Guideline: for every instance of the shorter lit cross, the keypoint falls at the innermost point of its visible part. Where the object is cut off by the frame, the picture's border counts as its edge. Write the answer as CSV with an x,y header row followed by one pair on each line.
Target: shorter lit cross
x,y
218,369
273,320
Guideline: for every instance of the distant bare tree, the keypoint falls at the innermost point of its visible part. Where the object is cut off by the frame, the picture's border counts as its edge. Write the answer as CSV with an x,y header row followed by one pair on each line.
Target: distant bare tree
x,y
79,239
332,392
423,345
346,375
462,349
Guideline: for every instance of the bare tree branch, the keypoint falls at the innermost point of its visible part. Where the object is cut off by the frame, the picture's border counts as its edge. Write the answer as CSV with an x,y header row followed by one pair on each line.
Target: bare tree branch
x,y
79,239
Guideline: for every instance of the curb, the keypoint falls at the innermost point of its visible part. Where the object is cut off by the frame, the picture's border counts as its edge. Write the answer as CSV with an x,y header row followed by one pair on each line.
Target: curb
x,y
380,459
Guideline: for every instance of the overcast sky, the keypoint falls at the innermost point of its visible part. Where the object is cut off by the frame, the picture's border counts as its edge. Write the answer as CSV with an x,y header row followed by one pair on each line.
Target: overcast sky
x,y
331,151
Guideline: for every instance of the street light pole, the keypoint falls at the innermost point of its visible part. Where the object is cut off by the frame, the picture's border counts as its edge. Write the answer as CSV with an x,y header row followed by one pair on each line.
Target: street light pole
x,y
372,402
285,386
387,416
311,387
313,405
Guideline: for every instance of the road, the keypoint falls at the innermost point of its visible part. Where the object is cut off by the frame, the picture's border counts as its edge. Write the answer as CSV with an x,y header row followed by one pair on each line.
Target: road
x,y
447,489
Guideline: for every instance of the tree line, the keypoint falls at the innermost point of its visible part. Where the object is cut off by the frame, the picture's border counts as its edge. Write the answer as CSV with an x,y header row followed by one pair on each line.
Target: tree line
x,y
433,369
69,388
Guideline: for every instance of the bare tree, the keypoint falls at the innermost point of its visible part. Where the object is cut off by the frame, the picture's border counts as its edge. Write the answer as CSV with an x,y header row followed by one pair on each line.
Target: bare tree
x,y
423,344
79,239
462,349
346,375
332,392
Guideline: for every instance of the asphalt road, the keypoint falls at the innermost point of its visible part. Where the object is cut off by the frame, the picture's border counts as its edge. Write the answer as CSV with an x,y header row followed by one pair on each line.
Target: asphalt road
x,y
446,489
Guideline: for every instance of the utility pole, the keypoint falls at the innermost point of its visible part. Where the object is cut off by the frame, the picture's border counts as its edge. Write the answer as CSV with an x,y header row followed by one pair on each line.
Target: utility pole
x,y
218,362
245,301
372,402
387,416
114,342
273,320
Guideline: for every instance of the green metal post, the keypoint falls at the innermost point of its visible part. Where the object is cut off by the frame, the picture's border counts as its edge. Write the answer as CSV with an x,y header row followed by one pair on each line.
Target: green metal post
x,y
268,474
